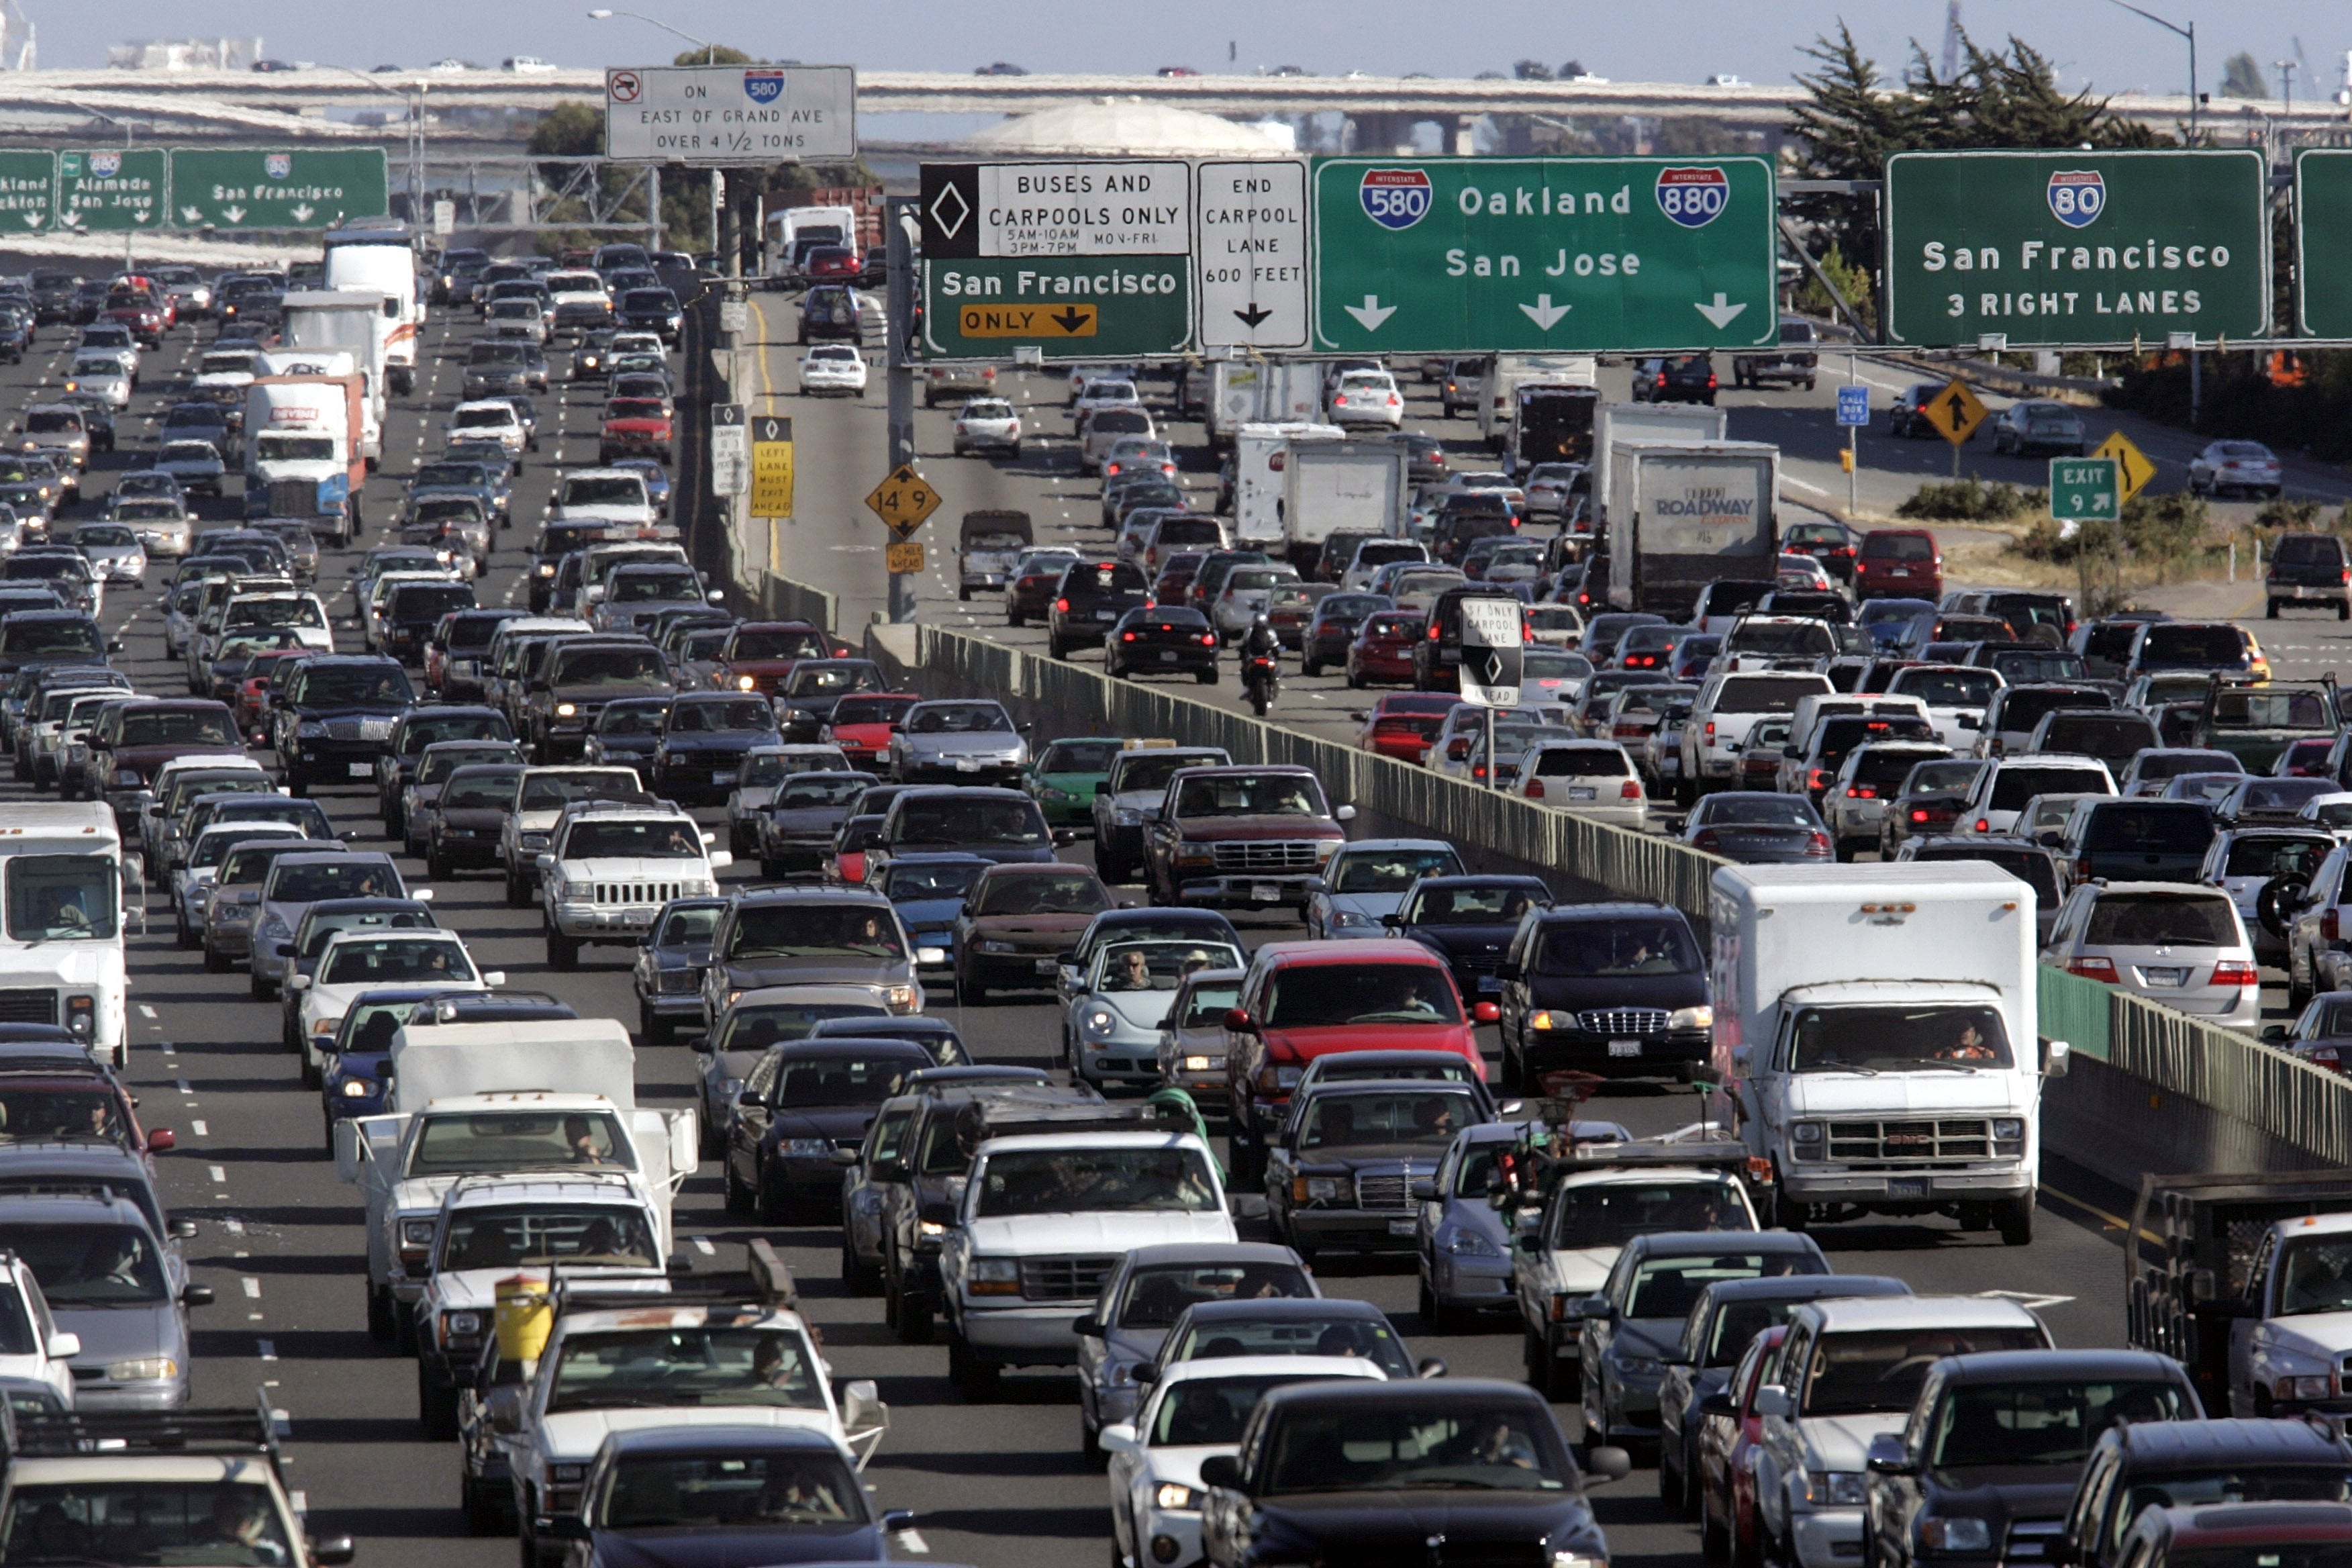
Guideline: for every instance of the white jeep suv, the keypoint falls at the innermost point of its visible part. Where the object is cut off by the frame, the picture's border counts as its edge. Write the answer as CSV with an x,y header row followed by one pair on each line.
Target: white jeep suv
x,y
609,868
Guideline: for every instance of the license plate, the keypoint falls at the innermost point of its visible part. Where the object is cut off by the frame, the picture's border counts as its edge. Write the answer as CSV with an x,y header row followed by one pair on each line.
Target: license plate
x,y
1168,657
722,775
1906,1186
1400,1227
1106,615
1264,892
363,770
1489,982
966,764
1583,791
1048,965
2166,976
1624,1047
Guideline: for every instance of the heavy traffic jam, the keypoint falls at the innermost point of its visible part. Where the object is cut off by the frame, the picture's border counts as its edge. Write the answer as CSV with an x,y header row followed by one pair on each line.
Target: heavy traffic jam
x,y
685,1026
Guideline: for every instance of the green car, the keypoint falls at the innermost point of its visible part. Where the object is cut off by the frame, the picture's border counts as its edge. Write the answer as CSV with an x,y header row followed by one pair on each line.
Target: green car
x,y
1064,778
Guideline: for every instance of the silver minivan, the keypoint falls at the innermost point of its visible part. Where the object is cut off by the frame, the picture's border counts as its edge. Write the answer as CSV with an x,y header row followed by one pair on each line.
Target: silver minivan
x,y
2170,942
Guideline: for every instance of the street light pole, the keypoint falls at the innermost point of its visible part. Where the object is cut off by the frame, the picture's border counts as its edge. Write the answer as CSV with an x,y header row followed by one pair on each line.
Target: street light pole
x,y
124,126
2189,33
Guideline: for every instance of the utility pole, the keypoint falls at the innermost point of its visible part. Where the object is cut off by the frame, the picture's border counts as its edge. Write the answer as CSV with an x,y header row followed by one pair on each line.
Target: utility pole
x,y
898,229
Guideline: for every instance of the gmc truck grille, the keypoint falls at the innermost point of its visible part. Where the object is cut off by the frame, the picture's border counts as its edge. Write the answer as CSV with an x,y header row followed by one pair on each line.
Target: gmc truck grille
x,y
1910,1142
1066,1279
1267,855
28,1005
1390,1191
637,892
1620,1022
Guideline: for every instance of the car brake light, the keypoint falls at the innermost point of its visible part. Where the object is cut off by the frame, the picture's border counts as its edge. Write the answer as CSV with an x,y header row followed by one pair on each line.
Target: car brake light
x,y
1861,792
1661,378
1984,825
2232,972
1710,381
2328,927
1208,639
1818,778
1630,790
1710,731
2094,969
1919,816
1063,605
1534,790
1127,637
1819,844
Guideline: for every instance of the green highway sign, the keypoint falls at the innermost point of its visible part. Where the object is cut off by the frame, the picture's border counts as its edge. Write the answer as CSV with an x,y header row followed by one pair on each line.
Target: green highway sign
x,y
2085,490
1076,260
262,187
2322,242
2074,247
29,190
1437,255
111,188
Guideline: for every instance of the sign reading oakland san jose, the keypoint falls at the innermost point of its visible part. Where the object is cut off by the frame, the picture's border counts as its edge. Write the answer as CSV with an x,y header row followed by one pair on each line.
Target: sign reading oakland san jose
x,y
718,115
2076,247
1445,255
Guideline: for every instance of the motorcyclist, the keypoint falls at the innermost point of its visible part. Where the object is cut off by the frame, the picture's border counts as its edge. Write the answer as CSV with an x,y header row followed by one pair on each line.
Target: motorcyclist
x,y
1260,642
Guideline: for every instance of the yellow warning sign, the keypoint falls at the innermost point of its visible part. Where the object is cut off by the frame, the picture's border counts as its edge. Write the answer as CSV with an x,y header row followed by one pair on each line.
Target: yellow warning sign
x,y
771,467
1953,412
1028,320
903,559
2133,470
903,500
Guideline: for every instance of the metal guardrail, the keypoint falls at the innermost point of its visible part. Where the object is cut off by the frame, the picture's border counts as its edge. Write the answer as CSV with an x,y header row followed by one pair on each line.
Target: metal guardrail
x,y
2301,1105
2078,1011
782,599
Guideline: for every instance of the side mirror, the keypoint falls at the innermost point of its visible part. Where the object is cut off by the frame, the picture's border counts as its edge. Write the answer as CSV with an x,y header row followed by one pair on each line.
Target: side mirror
x,y
114,645
1086,1327
181,1230
1510,972
1609,1463
1118,1438
1772,1399
1717,1404
1592,1307
1318,885
564,1527
862,1409
1485,1012
1221,1470
64,1346
333,1550
1239,1021
717,596
285,950
1425,1188
2275,1033
494,977
721,858
1344,814
1740,1056
896,1519
421,895
1530,1241
845,1157
506,1410
2060,1055
749,1096
162,1138
196,1296
1886,1456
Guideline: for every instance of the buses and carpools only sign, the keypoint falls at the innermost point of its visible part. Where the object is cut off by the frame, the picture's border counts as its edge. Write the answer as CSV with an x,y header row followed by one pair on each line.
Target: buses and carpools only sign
x,y
716,115
2073,248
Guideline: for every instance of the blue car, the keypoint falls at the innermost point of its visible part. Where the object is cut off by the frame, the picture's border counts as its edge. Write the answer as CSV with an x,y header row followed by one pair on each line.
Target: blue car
x,y
928,891
1463,1244
351,1079
656,479
1898,623
1366,882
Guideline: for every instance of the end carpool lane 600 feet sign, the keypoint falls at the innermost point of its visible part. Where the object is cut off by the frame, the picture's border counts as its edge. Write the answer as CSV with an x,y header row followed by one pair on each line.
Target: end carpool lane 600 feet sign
x,y
1076,260
1432,255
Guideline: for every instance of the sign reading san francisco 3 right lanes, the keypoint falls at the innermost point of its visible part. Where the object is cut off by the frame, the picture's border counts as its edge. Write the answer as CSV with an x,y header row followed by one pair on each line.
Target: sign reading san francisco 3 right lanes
x,y
1520,255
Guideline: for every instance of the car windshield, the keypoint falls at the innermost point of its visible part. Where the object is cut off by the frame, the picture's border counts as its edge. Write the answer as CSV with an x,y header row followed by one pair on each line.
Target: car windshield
x,y
54,898
90,1265
1871,1040
230,1524
810,1082
1459,905
1156,1294
318,929
920,880
736,1491
482,789
814,929
1635,945
1880,1371
721,716
756,1025
551,792
363,685
804,792
171,726
1390,870
832,679
506,1238
677,585
21,635
272,448
769,643
1946,686
1079,756
1095,1180
344,876
2162,919
1317,995
1807,639
680,1365
383,961
1362,1120
959,719
305,612
968,820
1043,893
1201,1412
2040,1423
1363,1447
455,1144
1610,1214
659,839
1251,794
2263,856
2013,787
2198,645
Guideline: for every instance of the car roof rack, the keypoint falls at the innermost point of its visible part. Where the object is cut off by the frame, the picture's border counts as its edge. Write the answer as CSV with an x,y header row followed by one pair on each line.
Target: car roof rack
x,y
80,1434
765,1282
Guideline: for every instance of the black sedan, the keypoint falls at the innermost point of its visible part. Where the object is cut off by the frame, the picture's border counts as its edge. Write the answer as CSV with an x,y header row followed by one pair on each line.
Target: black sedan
x,y
1161,640
1088,601
1468,921
804,1100
1757,827
1333,629
628,732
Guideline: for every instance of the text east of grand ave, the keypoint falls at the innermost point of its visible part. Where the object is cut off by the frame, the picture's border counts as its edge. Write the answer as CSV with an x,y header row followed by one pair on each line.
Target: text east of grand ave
x,y
2135,278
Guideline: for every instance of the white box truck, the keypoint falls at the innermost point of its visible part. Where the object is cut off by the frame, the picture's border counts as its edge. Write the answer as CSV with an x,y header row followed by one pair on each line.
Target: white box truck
x,y
469,1098
386,272
1261,451
351,319
61,951
1683,514
1616,422
337,363
1329,487
1875,1038
1262,392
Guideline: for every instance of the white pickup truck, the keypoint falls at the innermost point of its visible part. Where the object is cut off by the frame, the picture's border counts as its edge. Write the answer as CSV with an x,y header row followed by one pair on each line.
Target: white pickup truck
x,y
1042,1220
469,1098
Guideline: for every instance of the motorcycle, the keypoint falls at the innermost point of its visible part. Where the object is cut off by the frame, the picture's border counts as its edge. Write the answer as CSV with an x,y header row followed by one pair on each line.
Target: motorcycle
x,y
1261,682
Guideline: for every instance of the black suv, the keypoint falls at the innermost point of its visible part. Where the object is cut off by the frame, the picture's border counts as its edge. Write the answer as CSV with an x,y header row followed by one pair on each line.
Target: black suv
x,y
2309,569
1088,601
1614,989
337,719
1675,378
2275,1460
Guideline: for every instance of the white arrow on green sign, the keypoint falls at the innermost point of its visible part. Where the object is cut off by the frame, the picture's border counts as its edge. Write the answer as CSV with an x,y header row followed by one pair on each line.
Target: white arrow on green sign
x,y
2085,490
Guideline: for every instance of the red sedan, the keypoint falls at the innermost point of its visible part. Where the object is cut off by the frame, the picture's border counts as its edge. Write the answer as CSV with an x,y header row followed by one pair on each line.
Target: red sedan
x,y
1726,1459
1029,591
863,725
1383,648
1405,724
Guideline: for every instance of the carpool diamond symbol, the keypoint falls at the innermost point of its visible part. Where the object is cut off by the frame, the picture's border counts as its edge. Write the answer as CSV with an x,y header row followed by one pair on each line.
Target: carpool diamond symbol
x,y
949,210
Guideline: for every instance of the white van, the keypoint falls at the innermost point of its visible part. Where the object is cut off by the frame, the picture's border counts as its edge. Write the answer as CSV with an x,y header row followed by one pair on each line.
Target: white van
x,y
61,885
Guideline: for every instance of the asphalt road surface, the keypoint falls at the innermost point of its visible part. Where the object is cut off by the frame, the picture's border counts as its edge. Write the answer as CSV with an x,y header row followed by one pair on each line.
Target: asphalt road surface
x,y
1001,1484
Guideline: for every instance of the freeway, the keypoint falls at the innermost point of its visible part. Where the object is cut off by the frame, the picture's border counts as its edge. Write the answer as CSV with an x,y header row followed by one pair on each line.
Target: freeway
x,y
1001,1484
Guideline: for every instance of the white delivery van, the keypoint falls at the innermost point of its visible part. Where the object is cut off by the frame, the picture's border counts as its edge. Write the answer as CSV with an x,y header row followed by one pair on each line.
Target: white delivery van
x,y
61,959
1875,1038
351,320
387,273
1261,451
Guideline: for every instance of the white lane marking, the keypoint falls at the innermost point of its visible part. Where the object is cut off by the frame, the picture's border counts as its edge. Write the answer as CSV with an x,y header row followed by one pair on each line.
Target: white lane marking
x,y
200,1130
268,1349
219,1173
145,1011
702,1245
186,1090
252,1287
233,1226
1788,479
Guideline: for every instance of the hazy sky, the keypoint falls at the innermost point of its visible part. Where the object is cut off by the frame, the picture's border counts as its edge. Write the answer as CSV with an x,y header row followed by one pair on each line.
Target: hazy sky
x,y
1656,40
